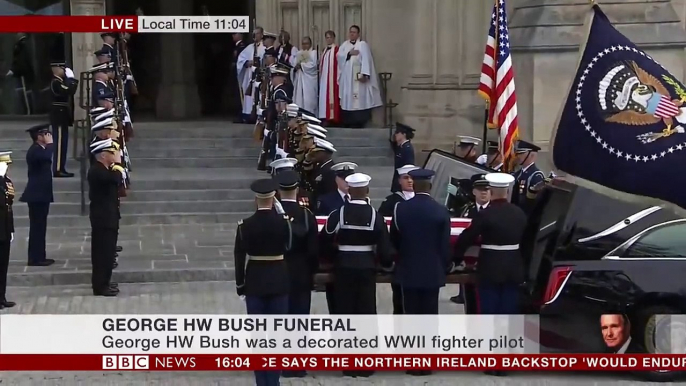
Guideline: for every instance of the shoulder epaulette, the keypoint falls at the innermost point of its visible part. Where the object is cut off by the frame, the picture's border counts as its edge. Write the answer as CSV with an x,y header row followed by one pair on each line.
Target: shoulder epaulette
x,y
240,222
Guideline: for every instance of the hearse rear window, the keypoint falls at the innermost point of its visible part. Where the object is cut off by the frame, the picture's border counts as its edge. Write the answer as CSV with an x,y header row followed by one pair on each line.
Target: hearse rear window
x,y
665,241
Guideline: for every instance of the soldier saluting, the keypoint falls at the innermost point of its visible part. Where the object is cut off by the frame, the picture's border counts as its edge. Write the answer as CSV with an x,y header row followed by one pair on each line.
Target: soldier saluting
x,y
262,240
63,87
529,178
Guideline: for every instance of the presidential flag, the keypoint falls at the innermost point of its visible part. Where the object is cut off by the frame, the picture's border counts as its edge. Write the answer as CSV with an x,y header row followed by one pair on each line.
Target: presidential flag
x,y
497,85
622,125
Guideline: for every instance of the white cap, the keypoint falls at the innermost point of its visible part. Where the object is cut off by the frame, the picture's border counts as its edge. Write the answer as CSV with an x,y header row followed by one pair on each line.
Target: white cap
x,y
406,169
344,166
316,134
5,156
499,180
483,158
101,145
104,115
312,126
259,111
310,118
292,107
468,140
358,180
324,144
284,163
98,110
102,124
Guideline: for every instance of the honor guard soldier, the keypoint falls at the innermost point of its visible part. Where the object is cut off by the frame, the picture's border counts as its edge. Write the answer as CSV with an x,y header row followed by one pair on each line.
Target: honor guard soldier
x,y
6,226
63,87
38,193
405,193
529,179
466,148
500,267
103,90
303,257
104,178
334,200
492,159
420,232
102,56
109,39
282,93
404,151
262,277
325,178
361,236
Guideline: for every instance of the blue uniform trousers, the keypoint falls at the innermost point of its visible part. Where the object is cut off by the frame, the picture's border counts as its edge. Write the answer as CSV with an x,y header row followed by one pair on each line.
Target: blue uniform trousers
x,y
267,305
299,303
498,299
38,227
60,135
420,301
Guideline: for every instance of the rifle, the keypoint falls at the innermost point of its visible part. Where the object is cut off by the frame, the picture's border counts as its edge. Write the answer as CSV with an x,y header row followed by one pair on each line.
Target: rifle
x,y
120,110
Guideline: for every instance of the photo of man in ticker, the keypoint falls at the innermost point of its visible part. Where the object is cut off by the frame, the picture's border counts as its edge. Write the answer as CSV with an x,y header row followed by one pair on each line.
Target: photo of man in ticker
x,y
616,330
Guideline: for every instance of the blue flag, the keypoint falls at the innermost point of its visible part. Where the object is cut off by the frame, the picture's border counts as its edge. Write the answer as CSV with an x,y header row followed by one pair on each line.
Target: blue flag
x,y
623,125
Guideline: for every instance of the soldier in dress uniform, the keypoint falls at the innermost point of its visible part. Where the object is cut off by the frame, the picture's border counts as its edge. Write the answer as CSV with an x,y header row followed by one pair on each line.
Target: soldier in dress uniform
x,y
63,87
109,39
38,193
361,236
466,148
481,194
322,158
334,200
262,277
103,89
529,179
404,151
492,159
405,193
6,226
102,56
303,257
104,178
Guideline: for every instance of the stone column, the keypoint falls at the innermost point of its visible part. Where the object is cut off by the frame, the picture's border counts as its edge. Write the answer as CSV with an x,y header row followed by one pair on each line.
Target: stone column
x,y
177,96
447,43
84,44
424,43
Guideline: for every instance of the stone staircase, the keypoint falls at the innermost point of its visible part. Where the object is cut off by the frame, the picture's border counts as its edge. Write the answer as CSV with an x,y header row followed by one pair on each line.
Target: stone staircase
x,y
190,185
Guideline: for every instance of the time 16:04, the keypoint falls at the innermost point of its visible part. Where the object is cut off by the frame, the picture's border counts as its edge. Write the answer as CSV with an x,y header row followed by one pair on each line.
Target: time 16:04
x,y
229,363
232,24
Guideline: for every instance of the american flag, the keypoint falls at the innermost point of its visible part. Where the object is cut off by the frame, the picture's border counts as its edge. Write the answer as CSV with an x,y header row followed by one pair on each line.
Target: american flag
x,y
497,82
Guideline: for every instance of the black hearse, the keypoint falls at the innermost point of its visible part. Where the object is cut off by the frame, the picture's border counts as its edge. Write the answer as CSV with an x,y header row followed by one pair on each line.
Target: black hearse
x,y
590,255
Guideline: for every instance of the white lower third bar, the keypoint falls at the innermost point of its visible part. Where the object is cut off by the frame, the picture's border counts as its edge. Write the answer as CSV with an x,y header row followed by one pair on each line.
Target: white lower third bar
x,y
193,24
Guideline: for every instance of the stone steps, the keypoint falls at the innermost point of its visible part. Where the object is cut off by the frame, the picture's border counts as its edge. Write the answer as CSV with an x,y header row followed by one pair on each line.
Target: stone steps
x,y
190,187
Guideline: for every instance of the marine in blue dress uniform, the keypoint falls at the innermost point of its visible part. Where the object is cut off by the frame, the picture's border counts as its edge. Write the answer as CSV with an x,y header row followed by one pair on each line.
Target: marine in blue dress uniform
x,y
386,208
334,200
38,193
63,87
529,179
262,276
404,151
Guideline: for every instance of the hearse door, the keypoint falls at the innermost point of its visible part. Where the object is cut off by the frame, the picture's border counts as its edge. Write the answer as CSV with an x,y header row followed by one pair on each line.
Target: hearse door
x,y
538,245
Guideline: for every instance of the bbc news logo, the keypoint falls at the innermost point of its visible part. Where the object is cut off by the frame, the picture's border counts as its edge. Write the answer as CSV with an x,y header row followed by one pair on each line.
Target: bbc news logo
x,y
125,362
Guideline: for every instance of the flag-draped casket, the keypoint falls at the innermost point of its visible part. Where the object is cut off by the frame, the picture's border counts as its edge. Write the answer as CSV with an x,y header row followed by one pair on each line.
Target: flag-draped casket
x,y
457,226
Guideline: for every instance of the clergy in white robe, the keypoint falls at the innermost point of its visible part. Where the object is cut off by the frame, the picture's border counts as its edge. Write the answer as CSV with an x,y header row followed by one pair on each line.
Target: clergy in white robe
x,y
245,69
305,78
329,107
357,81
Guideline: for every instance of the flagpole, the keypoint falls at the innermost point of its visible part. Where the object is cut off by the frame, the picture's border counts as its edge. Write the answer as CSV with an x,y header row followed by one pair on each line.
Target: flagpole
x,y
485,130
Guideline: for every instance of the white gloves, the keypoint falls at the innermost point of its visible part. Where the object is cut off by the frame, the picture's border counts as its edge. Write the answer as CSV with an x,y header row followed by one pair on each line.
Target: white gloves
x,y
10,73
3,169
482,159
280,152
266,132
452,190
129,77
279,207
12,237
68,72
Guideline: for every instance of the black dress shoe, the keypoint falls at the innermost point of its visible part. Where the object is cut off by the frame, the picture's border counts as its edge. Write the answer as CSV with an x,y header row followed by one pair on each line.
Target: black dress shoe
x,y
116,255
294,374
457,299
106,292
115,265
119,248
114,285
44,263
7,304
63,175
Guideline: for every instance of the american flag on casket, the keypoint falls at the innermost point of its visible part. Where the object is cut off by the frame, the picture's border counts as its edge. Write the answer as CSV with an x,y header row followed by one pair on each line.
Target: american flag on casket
x,y
457,226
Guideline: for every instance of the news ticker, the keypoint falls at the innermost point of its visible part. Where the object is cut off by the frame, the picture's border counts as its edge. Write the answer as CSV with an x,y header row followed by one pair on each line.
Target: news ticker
x,y
131,24
251,362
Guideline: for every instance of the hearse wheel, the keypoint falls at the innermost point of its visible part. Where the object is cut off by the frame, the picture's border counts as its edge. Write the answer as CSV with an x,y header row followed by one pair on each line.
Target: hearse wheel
x,y
654,331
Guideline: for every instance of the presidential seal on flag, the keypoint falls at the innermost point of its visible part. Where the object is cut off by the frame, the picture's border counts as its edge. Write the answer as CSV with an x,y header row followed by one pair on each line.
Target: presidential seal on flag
x,y
623,123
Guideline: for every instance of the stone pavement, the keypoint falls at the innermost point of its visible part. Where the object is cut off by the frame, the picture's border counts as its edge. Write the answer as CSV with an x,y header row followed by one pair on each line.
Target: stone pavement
x,y
220,298
190,185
